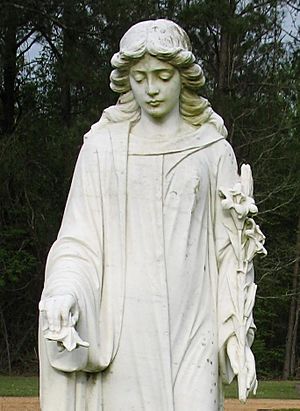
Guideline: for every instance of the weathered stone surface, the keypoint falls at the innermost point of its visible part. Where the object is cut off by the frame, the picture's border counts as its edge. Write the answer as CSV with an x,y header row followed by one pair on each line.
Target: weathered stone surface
x,y
150,287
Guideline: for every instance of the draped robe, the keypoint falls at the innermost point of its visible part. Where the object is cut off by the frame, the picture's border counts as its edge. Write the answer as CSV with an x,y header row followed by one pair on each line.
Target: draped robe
x,y
144,249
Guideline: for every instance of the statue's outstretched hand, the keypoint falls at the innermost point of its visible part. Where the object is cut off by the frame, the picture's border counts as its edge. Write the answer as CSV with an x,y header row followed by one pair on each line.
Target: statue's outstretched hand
x,y
59,315
235,361
58,311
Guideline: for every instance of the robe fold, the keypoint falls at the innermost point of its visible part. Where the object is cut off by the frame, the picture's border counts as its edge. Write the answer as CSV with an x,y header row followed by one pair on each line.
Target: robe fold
x,y
144,249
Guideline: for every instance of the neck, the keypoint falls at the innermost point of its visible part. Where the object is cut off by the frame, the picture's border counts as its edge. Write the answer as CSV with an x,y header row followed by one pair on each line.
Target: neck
x,y
169,125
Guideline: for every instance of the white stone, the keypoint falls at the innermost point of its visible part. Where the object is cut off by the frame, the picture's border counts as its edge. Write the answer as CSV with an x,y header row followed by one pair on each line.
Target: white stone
x,y
149,289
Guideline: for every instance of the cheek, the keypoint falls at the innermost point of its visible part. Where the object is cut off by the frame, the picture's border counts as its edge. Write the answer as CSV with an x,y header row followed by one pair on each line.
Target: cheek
x,y
175,89
174,92
135,87
137,92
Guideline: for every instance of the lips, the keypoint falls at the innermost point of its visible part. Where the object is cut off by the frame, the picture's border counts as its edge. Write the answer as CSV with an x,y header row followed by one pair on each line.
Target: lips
x,y
154,103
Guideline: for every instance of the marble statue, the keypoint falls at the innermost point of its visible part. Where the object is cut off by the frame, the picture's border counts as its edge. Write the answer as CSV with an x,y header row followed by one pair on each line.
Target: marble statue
x,y
149,287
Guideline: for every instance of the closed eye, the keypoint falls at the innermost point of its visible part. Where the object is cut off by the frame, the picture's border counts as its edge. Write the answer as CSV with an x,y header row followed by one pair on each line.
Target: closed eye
x,y
166,75
138,78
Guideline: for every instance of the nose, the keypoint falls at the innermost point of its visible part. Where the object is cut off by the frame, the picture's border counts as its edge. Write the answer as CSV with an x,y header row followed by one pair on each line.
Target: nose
x,y
152,87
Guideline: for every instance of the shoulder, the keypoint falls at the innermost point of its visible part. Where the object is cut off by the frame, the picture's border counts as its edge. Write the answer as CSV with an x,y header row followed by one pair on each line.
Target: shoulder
x,y
219,146
101,135
225,149
97,135
224,154
221,157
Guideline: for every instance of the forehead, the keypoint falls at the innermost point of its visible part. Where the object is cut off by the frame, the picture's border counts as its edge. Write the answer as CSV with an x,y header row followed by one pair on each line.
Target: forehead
x,y
151,63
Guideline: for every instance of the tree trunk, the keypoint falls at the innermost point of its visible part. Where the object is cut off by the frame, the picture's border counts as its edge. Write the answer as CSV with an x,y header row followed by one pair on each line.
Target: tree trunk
x,y
291,339
6,339
294,343
9,71
225,57
67,62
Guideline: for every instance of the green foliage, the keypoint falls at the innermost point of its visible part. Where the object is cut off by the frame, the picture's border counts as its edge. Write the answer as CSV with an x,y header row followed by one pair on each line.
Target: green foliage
x,y
281,390
28,387
14,265
18,386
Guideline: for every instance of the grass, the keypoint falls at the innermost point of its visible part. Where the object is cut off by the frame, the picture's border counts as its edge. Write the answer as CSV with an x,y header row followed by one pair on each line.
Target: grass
x,y
18,386
28,387
285,390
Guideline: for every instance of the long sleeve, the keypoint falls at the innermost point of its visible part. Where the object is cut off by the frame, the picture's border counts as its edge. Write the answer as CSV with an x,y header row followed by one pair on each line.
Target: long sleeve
x,y
227,243
74,264
87,261
75,259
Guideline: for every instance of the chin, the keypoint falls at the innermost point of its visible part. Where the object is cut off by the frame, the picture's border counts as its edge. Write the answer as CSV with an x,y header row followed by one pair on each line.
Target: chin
x,y
157,114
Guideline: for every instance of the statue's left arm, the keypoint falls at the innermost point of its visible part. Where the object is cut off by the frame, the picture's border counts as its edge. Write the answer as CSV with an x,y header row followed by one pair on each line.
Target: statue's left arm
x,y
237,240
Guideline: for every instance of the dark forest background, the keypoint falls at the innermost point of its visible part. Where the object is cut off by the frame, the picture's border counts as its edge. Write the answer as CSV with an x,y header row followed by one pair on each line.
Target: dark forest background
x,y
54,70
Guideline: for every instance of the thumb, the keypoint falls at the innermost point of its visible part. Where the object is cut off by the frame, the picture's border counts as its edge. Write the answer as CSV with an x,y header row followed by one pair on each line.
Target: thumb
x,y
232,355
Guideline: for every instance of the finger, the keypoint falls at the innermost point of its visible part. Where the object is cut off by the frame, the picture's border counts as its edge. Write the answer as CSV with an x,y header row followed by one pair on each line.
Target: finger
x,y
53,313
79,341
57,318
74,308
42,305
251,374
254,383
75,315
255,387
70,310
48,313
44,320
252,386
232,355
65,315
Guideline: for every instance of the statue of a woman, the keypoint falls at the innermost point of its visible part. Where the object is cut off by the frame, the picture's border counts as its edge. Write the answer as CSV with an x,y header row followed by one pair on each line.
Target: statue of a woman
x,y
141,308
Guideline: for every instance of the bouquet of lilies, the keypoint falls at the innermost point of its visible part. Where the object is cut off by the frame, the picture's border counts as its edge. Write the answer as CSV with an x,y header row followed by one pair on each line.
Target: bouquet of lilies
x,y
247,242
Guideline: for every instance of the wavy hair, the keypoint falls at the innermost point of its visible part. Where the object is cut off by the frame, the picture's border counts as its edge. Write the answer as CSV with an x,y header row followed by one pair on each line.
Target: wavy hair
x,y
166,41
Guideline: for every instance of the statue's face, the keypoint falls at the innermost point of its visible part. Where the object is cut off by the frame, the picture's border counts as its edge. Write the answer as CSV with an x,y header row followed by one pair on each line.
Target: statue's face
x,y
156,87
